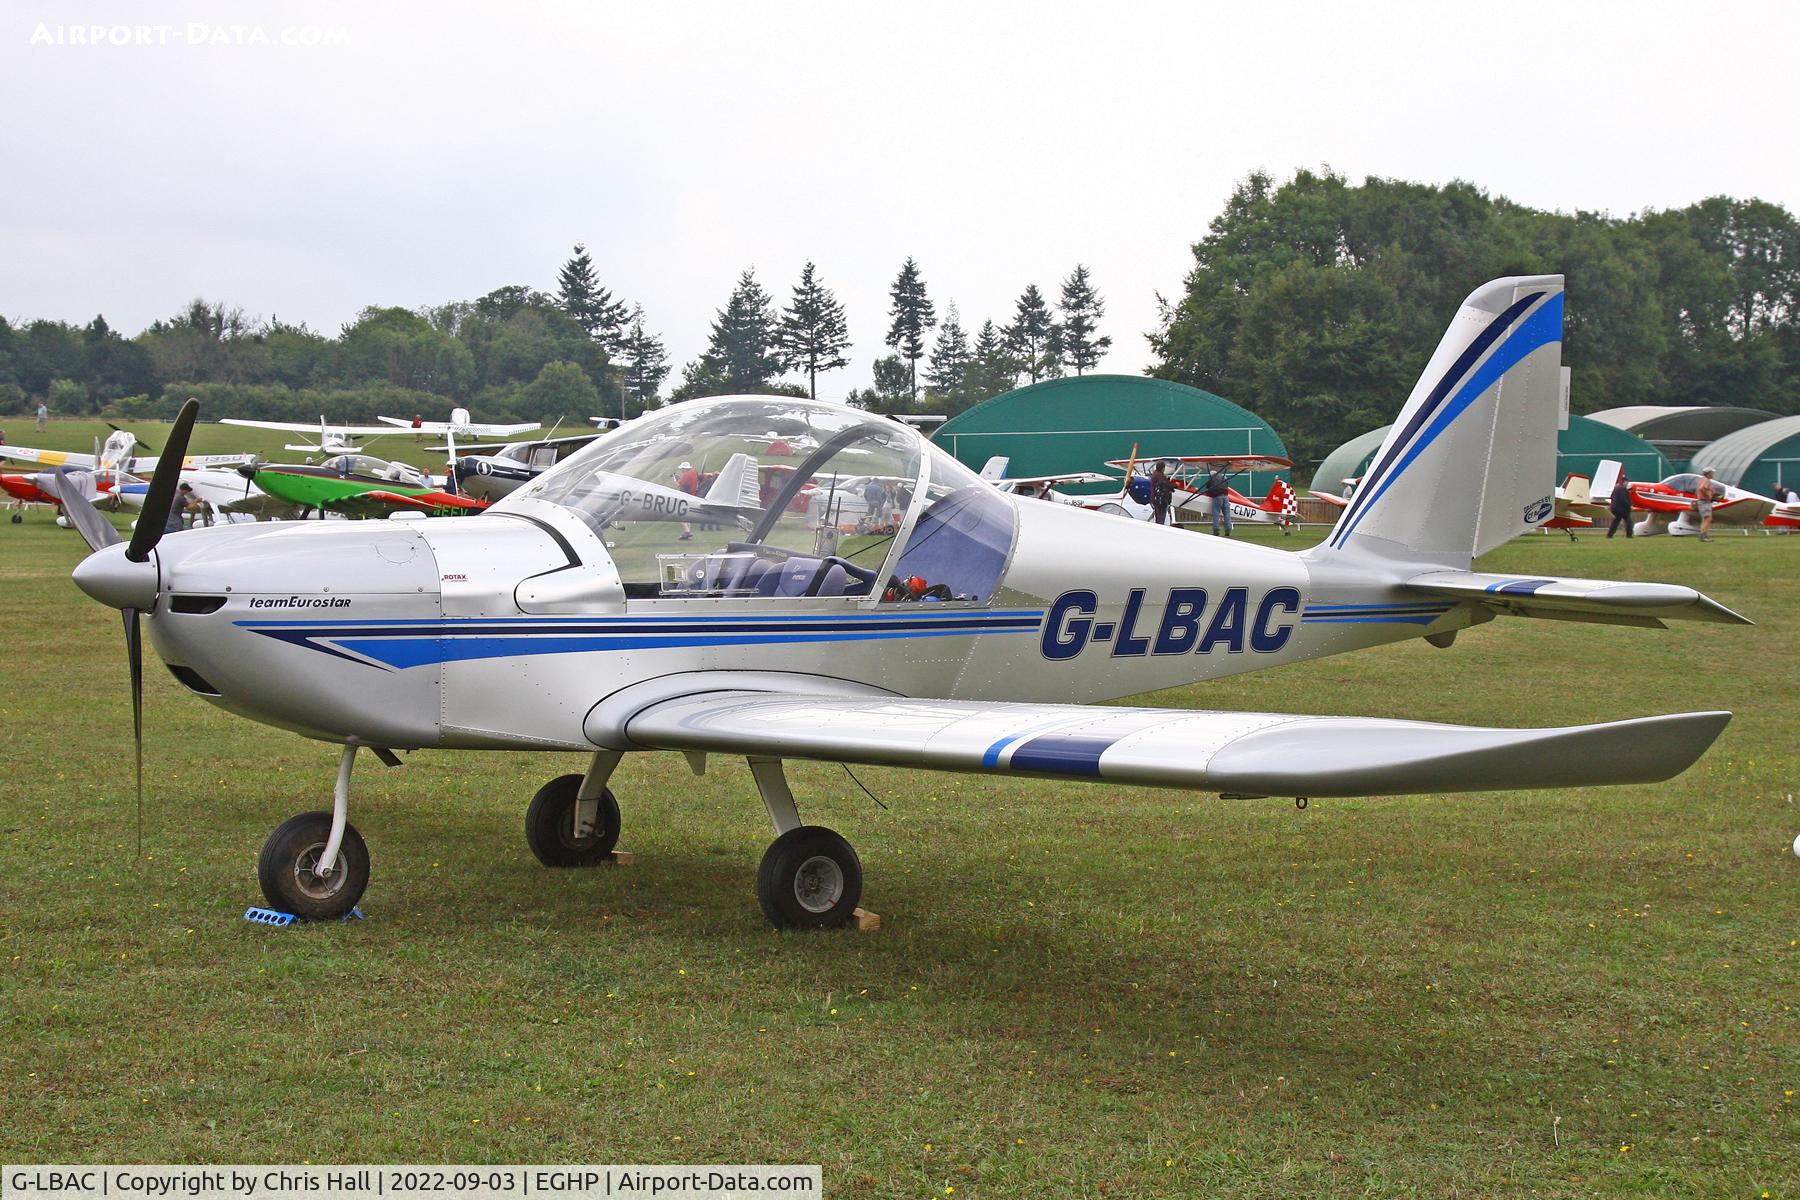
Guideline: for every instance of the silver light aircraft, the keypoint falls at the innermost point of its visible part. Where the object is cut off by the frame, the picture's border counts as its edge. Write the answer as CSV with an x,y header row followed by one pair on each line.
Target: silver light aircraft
x,y
977,637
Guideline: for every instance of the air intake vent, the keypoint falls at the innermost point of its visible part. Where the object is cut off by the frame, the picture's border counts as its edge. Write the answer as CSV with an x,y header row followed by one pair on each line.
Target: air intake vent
x,y
196,604
192,680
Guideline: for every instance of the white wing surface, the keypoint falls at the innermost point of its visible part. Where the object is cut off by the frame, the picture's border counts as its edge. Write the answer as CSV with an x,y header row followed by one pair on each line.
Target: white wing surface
x,y
1230,752
49,458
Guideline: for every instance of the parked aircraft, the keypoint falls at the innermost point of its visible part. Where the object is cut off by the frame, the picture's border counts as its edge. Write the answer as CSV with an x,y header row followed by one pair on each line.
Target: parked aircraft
x,y
490,472
1040,487
357,485
1668,507
981,636
117,457
1187,476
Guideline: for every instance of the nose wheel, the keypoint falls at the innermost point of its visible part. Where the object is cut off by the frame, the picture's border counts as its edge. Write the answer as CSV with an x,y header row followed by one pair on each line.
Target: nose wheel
x,y
294,878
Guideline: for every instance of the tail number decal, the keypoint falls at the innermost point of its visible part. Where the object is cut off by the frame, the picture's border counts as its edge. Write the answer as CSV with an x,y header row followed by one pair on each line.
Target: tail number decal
x,y
1189,624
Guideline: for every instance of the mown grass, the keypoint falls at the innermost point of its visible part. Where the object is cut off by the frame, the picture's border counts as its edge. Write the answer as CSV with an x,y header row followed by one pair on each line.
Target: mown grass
x,y
1078,989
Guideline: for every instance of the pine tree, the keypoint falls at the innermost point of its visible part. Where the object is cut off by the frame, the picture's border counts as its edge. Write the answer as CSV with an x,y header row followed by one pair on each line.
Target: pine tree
x,y
813,334
949,367
992,368
740,353
1033,335
646,365
593,307
912,315
1082,308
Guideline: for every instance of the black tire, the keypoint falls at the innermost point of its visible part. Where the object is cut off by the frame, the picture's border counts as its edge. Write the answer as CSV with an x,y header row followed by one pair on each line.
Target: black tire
x,y
285,869
17,519
810,878
550,826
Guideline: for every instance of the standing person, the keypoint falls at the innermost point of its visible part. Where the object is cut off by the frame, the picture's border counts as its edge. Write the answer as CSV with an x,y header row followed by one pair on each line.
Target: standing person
x,y
1704,495
1218,490
1619,504
418,428
688,480
183,504
1162,493
42,414
871,498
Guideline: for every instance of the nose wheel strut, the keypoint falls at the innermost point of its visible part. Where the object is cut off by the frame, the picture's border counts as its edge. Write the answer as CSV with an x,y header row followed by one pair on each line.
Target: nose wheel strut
x,y
316,865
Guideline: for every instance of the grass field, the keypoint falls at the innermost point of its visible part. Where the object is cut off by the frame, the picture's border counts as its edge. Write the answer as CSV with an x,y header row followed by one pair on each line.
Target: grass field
x,y
1079,990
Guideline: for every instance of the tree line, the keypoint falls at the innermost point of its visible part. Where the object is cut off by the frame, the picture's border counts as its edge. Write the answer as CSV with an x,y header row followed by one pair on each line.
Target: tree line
x,y
1316,303
1313,303
519,353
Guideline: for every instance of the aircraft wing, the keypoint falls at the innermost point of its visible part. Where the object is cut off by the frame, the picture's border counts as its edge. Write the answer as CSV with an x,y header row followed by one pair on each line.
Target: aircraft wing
x,y
475,448
440,428
1605,601
1245,462
1070,477
49,458
146,465
378,502
1248,754
312,427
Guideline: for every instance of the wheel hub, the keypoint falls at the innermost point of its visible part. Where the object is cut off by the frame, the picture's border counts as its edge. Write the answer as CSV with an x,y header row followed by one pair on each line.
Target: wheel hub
x,y
308,879
818,884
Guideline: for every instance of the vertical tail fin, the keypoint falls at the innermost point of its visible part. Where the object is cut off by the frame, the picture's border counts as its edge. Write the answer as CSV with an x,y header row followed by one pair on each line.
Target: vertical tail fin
x,y
994,469
737,485
1471,461
1606,478
1281,499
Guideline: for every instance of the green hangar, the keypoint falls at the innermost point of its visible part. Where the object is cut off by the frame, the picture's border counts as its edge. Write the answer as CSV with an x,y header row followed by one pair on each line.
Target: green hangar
x,y
1064,425
1756,458
1680,430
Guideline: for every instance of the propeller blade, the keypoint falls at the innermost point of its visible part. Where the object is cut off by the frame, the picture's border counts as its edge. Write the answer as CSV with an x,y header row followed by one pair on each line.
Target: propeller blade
x,y
161,496
134,651
140,441
72,488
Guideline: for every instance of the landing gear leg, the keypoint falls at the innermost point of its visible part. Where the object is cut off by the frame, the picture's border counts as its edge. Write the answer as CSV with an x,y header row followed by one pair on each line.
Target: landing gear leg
x,y
810,877
574,820
316,865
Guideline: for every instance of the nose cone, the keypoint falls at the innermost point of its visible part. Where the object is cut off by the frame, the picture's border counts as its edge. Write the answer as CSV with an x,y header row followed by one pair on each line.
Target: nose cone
x,y
111,578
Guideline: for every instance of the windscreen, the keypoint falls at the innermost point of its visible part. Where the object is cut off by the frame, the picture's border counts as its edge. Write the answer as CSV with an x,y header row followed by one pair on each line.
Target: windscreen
x,y
753,497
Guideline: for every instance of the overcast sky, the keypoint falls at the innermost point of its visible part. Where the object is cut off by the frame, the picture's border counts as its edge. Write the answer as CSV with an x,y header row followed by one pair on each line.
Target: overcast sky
x,y
413,154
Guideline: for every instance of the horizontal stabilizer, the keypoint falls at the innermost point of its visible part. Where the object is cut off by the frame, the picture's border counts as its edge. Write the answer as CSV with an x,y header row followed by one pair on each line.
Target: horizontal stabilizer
x,y
1605,601
1231,752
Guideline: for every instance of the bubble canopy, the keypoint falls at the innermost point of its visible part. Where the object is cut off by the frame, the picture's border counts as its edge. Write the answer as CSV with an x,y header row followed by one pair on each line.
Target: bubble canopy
x,y
771,497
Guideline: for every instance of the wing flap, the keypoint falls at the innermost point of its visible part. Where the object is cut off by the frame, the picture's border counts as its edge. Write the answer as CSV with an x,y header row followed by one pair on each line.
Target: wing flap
x,y
1601,600
1245,753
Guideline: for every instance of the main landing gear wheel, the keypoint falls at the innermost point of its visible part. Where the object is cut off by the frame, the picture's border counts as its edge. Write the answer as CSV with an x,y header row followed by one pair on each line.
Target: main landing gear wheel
x,y
550,826
288,869
810,879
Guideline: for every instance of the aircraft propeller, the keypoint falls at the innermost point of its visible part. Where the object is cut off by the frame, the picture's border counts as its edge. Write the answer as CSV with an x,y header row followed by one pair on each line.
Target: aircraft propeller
x,y
140,441
123,585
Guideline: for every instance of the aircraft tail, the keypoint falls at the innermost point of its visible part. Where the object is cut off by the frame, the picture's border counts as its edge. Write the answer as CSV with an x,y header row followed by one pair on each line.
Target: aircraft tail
x,y
1281,500
994,469
1577,488
1471,461
1606,478
737,484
